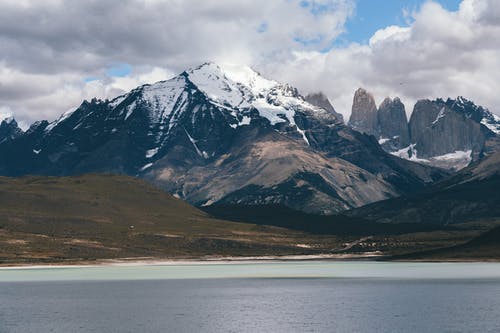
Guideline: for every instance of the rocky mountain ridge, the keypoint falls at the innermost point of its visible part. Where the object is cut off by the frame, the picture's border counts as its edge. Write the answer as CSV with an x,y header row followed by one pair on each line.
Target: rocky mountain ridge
x,y
444,133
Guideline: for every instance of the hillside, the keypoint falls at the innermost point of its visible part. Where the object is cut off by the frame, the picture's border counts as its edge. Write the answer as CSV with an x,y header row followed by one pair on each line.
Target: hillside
x,y
483,247
83,218
470,196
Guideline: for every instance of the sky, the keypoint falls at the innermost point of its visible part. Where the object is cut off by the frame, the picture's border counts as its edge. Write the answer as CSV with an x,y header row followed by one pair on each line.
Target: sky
x,y
55,53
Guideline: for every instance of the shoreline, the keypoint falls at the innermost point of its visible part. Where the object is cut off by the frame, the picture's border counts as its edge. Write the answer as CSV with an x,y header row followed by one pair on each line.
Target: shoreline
x,y
214,260
152,261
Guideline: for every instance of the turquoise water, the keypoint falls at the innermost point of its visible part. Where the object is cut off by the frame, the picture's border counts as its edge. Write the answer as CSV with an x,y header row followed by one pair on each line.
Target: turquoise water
x,y
253,297
272,269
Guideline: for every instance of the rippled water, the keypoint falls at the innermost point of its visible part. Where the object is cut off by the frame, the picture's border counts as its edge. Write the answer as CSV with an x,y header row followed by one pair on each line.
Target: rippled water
x,y
254,297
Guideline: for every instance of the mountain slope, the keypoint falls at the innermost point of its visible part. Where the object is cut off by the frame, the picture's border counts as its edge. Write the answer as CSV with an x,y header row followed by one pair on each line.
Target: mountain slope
x,y
220,134
50,219
469,196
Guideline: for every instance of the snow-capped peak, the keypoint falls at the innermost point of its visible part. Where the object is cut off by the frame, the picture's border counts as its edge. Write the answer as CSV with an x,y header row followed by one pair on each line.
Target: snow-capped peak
x,y
248,77
240,88
238,91
212,81
7,120
475,112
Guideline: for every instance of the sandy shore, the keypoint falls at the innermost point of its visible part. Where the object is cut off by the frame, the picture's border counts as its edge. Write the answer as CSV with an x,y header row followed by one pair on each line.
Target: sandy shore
x,y
151,261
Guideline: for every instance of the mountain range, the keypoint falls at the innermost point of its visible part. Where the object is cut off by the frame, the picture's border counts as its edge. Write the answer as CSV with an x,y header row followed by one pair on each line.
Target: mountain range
x,y
219,134
447,133
249,149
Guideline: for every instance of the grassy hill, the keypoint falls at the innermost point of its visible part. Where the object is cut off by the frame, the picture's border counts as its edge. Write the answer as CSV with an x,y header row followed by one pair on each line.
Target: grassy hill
x,y
83,218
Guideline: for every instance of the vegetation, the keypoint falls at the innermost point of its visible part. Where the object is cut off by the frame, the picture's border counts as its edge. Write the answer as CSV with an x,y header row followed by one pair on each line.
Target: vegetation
x,y
89,217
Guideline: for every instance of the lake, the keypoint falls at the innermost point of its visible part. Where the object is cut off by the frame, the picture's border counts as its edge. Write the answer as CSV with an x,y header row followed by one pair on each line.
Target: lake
x,y
306,296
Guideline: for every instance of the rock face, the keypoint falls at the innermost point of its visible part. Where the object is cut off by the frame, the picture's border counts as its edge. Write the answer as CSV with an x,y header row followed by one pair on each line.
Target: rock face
x,y
388,123
9,129
220,135
452,133
320,100
393,125
364,113
437,129
446,134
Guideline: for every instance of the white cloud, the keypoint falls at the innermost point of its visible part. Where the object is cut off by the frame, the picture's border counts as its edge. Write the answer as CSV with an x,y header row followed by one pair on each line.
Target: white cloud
x,y
441,54
392,32
49,48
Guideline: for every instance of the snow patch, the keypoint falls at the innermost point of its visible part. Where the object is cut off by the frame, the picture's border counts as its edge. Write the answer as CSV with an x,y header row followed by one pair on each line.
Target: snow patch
x,y
245,121
459,154
455,160
116,101
151,152
130,109
64,116
440,115
193,141
146,166
381,141
409,153
492,124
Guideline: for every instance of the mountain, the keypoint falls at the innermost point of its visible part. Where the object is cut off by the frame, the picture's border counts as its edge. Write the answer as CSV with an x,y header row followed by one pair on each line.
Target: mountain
x,y
217,134
90,217
320,100
446,134
393,124
388,122
364,116
470,196
447,130
9,130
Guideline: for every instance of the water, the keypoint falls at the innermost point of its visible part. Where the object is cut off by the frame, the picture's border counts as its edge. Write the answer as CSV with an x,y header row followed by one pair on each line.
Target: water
x,y
254,297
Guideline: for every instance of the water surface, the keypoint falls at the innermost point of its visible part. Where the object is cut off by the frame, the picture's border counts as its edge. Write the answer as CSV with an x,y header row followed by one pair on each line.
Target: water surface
x,y
254,297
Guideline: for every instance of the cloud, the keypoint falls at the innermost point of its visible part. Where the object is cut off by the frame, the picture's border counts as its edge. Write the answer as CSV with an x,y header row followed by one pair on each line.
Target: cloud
x,y
440,54
56,53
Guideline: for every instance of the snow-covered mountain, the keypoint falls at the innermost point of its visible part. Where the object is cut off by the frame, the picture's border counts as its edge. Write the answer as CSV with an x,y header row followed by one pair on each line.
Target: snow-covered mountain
x,y
219,134
9,129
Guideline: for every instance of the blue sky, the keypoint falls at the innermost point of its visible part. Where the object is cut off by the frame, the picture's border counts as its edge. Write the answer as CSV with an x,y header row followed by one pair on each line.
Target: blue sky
x,y
372,15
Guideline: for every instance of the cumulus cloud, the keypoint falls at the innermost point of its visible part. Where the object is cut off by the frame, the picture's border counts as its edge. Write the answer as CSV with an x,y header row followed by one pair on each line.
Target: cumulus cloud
x,y
56,53
440,54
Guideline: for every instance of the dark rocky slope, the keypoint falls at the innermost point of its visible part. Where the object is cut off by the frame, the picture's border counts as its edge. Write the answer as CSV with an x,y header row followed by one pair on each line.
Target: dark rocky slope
x,y
469,196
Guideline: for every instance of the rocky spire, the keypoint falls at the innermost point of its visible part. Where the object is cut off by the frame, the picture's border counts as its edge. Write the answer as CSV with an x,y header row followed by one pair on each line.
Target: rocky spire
x,y
393,124
9,129
320,100
364,113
